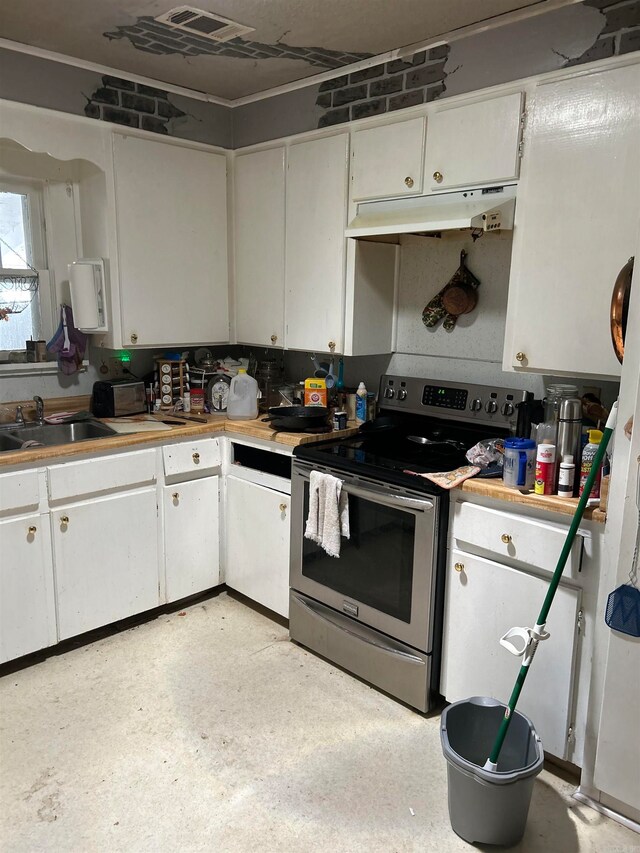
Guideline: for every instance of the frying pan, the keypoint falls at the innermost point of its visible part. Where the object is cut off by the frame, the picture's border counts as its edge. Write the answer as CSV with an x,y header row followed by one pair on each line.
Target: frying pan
x,y
296,418
620,308
418,439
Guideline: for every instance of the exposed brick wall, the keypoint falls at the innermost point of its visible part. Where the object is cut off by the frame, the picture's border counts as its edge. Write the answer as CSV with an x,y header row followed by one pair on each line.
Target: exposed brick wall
x,y
132,104
621,33
421,78
152,36
384,88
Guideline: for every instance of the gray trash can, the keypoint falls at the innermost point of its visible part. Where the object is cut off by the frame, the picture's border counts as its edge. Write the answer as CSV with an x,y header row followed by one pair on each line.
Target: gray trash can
x,y
488,807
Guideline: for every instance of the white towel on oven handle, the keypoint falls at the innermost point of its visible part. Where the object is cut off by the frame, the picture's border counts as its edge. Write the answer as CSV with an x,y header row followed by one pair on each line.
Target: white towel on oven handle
x,y
328,517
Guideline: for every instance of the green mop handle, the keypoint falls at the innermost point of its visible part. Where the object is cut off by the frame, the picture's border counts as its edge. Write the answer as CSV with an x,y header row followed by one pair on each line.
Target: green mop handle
x,y
555,580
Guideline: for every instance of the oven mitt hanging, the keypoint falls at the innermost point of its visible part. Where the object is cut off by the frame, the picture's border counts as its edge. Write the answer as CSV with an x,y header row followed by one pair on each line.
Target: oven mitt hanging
x,y
457,297
68,343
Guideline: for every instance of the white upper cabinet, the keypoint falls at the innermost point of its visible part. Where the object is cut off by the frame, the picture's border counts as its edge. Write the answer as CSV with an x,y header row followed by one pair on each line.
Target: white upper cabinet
x,y
171,221
388,160
577,219
316,202
474,143
259,225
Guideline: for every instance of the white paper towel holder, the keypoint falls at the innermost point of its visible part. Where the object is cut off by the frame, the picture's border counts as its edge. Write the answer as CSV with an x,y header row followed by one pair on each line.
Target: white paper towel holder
x,y
88,294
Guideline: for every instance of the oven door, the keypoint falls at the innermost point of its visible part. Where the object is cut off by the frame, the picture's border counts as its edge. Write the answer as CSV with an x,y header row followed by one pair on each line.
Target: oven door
x,y
385,575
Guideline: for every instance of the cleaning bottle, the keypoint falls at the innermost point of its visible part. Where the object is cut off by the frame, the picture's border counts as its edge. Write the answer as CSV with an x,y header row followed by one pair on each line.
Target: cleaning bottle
x,y
361,403
588,454
242,402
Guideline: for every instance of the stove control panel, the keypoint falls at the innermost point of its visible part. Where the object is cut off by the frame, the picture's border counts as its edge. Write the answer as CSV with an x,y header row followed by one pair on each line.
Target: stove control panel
x,y
453,400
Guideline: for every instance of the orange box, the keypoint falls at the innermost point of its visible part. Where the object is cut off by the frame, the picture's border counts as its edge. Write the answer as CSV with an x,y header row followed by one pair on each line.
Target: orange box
x,y
315,392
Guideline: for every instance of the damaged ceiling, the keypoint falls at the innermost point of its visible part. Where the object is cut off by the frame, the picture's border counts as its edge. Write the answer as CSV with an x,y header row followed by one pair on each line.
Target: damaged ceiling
x,y
289,40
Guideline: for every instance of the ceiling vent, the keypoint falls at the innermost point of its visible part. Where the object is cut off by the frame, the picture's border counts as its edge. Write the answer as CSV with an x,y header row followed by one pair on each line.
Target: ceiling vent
x,y
204,24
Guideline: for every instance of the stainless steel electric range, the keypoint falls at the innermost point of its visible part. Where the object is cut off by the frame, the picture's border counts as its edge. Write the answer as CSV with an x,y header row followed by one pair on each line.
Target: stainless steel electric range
x,y
377,609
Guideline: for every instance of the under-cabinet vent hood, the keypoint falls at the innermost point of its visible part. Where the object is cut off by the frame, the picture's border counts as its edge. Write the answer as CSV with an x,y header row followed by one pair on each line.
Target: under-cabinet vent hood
x,y
484,209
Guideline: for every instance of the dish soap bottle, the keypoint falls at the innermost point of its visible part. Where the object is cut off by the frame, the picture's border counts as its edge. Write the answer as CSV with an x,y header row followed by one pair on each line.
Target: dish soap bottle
x,y
588,454
242,402
361,403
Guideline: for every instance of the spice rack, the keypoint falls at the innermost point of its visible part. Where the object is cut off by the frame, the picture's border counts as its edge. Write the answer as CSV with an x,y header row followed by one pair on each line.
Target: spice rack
x,y
173,380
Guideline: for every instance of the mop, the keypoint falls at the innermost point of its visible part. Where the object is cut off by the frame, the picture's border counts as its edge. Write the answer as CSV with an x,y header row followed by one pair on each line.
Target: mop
x,y
531,637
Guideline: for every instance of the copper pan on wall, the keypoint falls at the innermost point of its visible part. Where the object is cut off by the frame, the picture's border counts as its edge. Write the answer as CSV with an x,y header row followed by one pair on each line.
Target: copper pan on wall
x,y
620,308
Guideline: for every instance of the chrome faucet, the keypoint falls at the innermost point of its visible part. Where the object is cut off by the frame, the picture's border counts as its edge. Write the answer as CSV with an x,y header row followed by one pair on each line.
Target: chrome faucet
x,y
39,410
19,416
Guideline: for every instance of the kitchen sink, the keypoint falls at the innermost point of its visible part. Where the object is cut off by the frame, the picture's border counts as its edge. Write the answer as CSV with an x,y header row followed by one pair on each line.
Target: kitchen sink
x,y
9,442
49,434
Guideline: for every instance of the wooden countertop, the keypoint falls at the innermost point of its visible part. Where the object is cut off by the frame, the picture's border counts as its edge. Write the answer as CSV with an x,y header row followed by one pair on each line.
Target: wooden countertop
x,y
215,424
551,503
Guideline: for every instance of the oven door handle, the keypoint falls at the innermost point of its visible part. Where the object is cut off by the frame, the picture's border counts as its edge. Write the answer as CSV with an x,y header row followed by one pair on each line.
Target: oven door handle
x,y
414,659
387,498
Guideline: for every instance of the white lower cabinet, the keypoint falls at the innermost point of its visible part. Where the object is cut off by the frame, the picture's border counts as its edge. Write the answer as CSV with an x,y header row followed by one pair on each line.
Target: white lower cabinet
x,y
27,609
191,536
257,558
483,600
106,560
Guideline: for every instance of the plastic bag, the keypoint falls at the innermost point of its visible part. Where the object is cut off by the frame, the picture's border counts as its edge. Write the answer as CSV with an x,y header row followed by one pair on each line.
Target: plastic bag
x,y
489,451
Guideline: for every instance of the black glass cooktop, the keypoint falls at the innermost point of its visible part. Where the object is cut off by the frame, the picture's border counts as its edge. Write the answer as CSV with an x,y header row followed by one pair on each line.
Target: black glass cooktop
x,y
390,454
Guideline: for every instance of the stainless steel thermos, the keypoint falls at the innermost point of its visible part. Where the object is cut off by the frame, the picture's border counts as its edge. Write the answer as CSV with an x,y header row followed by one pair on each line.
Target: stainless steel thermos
x,y
570,431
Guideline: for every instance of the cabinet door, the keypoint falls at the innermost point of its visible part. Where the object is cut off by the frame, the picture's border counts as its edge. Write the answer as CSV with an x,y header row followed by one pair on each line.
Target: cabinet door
x,y
259,247
315,243
483,600
387,161
473,144
106,560
27,609
577,218
191,538
171,216
257,521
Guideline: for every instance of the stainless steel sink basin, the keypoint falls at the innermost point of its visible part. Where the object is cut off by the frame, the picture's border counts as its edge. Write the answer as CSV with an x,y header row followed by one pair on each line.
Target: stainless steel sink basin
x,y
9,442
50,434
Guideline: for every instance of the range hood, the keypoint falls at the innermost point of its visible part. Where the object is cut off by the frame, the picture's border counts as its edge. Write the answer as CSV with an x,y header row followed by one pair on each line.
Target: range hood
x,y
484,209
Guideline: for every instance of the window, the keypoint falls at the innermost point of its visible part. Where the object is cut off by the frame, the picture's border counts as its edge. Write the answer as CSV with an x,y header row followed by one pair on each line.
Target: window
x,y
22,253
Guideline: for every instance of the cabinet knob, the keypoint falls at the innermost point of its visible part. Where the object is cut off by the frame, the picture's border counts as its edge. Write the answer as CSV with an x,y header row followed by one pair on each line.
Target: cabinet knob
x,y
176,496
283,507
520,356
506,538
196,457
274,338
409,181
134,338
437,177
64,520
459,567
32,529
332,345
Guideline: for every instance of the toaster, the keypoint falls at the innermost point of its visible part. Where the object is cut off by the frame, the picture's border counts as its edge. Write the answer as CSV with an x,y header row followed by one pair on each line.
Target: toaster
x,y
115,399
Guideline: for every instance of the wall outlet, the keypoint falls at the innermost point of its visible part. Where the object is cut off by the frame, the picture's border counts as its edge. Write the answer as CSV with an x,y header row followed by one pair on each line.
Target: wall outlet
x,y
116,368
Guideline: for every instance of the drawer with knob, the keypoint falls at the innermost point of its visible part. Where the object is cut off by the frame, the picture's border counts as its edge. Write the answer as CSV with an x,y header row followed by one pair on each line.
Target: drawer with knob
x,y
19,492
511,538
101,475
191,459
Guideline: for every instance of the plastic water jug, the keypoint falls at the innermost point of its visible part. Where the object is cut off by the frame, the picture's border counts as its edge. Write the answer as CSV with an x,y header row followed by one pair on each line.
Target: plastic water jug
x,y
242,403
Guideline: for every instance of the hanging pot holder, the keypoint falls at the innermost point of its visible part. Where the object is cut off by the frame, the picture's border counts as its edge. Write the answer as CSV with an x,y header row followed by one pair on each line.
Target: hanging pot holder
x,y
623,604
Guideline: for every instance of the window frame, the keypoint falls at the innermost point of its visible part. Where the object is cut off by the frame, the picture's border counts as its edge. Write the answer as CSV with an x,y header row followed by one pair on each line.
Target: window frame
x,y
36,234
